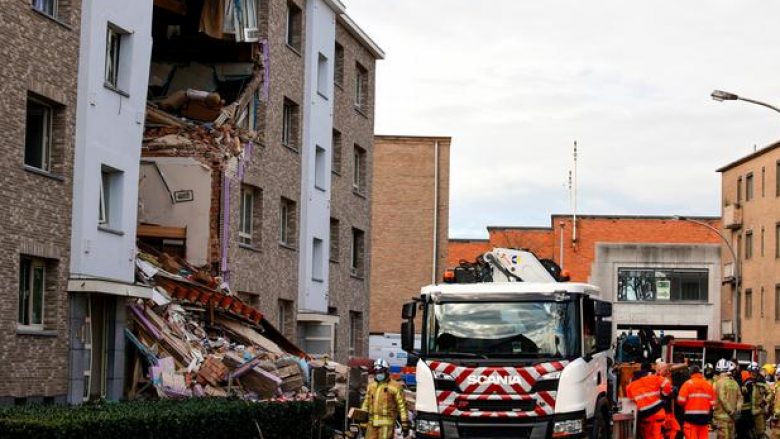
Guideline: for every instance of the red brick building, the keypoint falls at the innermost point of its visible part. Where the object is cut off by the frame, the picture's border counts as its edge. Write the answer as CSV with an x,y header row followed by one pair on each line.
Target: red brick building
x,y
643,263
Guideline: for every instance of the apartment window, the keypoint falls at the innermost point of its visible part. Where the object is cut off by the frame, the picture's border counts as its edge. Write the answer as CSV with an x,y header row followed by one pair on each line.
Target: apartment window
x,y
338,66
251,299
749,187
285,317
763,182
777,353
777,179
359,170
777,240
113,49
355,333
662,285
336,158
749,244
739,189
48,7
290,116
38,135
761,304
748,303
777,302
294,26
250,216
322,75
287,222
110,205
32,285
319,168
358,252
762,241
334,240
317,263
361,87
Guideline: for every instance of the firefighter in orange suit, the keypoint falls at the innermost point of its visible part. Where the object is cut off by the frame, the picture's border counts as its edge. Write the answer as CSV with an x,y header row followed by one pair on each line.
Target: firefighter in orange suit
x,y
647,392
697,398
384,403
671,427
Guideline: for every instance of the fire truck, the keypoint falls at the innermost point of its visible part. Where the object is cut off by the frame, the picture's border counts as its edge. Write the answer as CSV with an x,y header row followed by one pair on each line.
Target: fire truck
x,y
510,350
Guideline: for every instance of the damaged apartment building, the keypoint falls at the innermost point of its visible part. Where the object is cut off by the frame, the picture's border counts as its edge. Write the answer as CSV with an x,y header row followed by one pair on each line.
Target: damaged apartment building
x,y
256,154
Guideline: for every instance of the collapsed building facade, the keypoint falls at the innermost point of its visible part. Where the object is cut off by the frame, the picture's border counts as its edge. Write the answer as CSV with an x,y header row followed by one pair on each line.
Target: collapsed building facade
x,y
256,156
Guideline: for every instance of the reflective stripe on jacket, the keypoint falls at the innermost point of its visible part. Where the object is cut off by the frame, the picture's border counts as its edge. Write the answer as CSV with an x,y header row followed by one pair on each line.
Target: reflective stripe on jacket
x,y
698,399
646,393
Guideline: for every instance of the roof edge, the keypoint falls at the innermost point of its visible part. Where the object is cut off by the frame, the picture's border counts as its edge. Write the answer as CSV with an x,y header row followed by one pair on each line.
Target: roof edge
x,y
337,6
750,156
361,36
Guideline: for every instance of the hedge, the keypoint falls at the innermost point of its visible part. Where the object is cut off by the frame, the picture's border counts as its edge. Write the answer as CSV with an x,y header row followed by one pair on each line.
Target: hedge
x,y
167,419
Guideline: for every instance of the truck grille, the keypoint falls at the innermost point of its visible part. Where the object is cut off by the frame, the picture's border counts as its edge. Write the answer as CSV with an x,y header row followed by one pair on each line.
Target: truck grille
x,y
502,406
494,432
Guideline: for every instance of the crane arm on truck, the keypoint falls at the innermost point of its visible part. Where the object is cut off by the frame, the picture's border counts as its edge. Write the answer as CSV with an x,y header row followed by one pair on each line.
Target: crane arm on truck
x,y
507,265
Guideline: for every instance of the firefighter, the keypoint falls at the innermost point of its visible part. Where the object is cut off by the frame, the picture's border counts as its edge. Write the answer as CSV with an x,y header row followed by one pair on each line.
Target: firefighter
x,y
671,427
384,403
647,392
709,373
728,399
745,422
774,421
759,400
697,398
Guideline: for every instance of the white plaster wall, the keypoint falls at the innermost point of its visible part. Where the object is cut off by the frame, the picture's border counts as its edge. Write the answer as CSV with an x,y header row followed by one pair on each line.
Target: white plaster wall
x,y
156,207
611,257
317,130
109,129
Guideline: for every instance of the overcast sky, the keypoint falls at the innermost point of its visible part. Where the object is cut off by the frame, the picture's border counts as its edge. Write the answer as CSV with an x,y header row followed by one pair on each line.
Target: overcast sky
x,y
515,83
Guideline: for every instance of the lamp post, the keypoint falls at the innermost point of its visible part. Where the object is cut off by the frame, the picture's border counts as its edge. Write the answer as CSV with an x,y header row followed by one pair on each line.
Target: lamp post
x,y
737,272
720,96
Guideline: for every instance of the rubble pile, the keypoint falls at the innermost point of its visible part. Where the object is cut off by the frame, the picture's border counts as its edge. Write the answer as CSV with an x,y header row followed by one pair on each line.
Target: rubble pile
x,y
196,339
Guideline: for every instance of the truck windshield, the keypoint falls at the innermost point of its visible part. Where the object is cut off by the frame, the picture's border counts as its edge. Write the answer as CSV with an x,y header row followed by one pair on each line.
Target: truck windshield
x,y
510,329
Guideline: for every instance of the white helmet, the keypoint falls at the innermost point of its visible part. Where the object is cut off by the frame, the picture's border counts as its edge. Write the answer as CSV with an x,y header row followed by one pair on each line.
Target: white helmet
x,y
753,367
722,365
732,366
380,364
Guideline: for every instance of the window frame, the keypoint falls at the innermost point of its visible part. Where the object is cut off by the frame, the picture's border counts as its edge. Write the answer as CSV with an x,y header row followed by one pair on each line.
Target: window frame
x,y
28,303
287,223
359,169
739,189
675,276
246,230
361,87
293,37
338,64
334,248
322,76
290,121
55,7
320,165
748,304
749,187
357,261
748,244
113,57
47,144
336,156
777,302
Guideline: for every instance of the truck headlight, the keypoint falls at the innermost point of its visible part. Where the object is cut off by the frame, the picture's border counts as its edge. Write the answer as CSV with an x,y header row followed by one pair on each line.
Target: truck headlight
x,y
428,428
568,427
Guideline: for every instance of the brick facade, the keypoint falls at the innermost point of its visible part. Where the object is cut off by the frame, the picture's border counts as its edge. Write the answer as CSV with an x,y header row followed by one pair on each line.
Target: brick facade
x,y
40,58
348,293
760,219
403,223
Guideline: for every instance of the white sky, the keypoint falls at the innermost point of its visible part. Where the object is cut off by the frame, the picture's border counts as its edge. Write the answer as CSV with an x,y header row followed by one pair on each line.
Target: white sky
x,y
515,82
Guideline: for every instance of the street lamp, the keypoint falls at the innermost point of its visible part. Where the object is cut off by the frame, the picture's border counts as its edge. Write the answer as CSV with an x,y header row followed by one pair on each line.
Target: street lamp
x,y
737,271
720,96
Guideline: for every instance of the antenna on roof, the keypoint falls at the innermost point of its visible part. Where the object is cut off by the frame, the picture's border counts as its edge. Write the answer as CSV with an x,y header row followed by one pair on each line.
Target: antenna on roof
x,y
574,199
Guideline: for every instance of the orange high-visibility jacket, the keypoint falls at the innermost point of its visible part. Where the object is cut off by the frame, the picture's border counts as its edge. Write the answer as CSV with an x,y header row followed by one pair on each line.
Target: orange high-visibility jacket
x,y
697,397
647,392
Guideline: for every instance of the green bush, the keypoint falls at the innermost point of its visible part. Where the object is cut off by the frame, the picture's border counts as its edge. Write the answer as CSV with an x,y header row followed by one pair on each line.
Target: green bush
x,y
187,419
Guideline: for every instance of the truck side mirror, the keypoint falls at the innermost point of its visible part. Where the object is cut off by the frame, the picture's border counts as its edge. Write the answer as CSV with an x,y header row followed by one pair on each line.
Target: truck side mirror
x,y
603,309
407,335
409,311
603,335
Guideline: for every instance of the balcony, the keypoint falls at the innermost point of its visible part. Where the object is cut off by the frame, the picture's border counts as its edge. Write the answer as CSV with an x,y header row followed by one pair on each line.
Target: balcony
x,y
728,272
732,217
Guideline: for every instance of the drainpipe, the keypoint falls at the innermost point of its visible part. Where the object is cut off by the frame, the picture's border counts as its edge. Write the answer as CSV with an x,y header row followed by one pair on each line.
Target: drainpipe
x,y
560,244
435,211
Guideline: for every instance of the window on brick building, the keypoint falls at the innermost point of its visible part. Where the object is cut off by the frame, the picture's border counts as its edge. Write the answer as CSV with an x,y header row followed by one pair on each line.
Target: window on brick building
x,y
739,189
662,285
777,179
336,158
48,7
777,303
761,303
38,134
285,317
322,76
748,303
359,170
110,206
749,187
762,241
290,119
748,244
361,87
250,219
319,168
294,26
357,257
763,182
287,222
355,333
777,240
338,66
117,62
317,261
32,287
334,240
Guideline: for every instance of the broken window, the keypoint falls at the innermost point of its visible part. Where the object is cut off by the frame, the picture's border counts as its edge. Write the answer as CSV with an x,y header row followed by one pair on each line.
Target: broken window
x,y
290,124
110,205
32,275
334,240
336,159
294,26
361,87
317,263
359,170
287,222
338,67
38,133
358,251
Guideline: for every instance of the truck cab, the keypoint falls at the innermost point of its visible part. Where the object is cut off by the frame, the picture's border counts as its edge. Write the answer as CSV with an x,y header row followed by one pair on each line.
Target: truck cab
x,y
511,359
